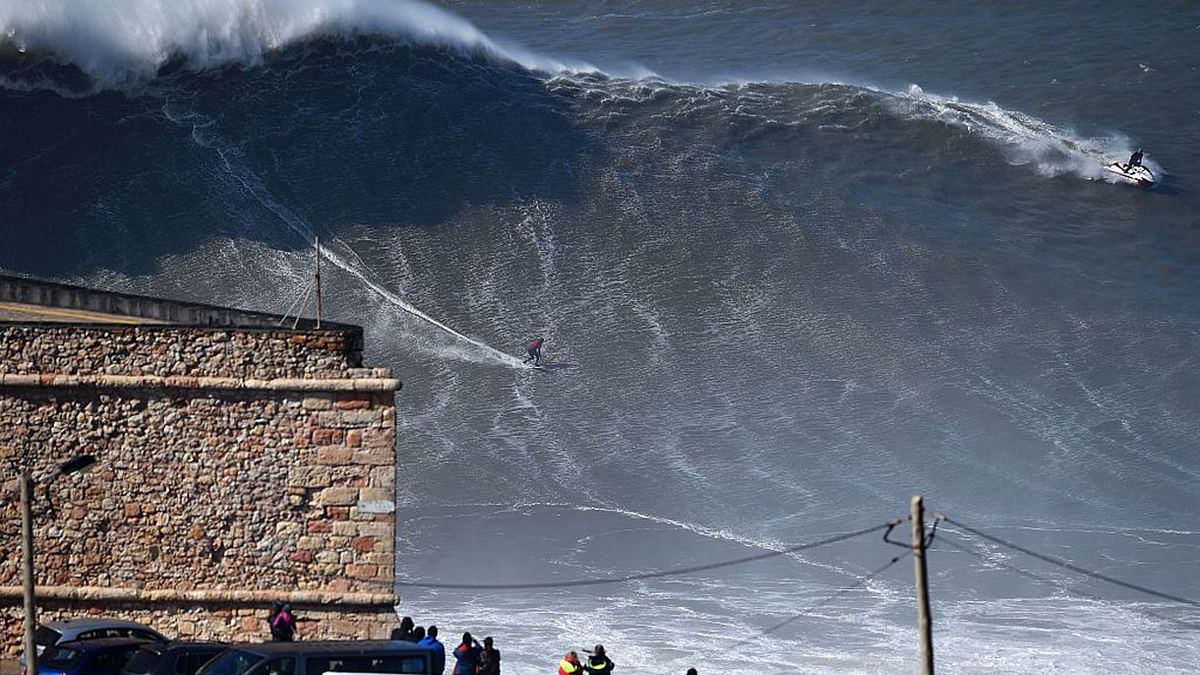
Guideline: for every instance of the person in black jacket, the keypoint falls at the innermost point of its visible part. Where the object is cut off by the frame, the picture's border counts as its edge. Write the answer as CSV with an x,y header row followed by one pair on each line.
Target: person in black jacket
x,y
598,663
1134,160
489,659
405,631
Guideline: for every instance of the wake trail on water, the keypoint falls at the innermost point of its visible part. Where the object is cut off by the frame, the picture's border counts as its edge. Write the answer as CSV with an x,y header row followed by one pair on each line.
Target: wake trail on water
x,y
494,354
252,184
1053,150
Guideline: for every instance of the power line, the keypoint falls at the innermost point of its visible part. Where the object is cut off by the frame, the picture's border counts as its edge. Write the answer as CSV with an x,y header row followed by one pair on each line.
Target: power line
x,y
646,575
1051,582
1075,568
815,606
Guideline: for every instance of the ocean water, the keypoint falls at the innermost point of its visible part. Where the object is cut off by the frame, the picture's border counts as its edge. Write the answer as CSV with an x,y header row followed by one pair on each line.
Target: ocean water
x,y
796,263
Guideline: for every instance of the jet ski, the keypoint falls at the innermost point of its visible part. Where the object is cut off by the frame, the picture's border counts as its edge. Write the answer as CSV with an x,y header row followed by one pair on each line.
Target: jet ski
x,y
1134,175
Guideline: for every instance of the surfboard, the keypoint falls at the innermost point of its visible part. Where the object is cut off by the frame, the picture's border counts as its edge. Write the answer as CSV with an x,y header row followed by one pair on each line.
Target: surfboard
x,y
1138,175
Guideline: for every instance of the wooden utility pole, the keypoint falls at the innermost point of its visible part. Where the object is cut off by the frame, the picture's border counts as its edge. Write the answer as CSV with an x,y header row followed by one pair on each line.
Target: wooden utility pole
x,y
924,625
26,485
317,278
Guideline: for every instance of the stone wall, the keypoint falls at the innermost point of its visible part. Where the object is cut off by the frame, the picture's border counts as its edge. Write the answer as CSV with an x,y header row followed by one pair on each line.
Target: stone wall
x,y
218,618
169,350
234,466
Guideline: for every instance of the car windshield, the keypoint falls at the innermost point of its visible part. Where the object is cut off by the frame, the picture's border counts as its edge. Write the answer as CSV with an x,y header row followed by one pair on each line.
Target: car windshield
x,y
142,662
62,659
232,662
46,636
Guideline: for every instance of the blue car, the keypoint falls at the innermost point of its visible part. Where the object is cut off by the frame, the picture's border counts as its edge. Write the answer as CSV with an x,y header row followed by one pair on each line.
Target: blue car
x,y
104,656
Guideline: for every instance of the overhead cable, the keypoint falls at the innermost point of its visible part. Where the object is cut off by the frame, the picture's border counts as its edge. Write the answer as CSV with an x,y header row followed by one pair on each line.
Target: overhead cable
x,y
1052,582
1075,568
825,601
646,575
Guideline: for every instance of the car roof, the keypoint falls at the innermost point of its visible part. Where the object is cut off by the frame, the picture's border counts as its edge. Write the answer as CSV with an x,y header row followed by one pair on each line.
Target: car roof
x,y
101,644
183,646
316,646
91,622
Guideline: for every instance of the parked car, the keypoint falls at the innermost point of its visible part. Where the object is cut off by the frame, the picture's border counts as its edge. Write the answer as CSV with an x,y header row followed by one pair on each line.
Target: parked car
x,y
172,658
97,656
88,628
318,657
91,628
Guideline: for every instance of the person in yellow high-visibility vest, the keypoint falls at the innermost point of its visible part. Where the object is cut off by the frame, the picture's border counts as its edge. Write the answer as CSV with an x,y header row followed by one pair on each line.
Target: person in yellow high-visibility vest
x,y
598,663
570,665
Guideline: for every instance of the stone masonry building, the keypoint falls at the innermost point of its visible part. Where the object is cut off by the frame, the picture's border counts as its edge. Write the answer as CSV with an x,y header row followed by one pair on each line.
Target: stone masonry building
x,y
238,462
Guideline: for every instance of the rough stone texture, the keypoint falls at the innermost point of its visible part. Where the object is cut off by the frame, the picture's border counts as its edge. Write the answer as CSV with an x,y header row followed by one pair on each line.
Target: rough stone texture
x,y
229,460
170,350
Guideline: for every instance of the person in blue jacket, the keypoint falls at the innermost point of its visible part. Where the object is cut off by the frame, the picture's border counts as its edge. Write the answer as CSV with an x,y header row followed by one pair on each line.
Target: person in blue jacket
x,y
439,651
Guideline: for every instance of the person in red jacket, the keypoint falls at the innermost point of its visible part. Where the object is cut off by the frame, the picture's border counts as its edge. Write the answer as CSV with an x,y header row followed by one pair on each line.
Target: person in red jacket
x,y
466,656
570,665
535,351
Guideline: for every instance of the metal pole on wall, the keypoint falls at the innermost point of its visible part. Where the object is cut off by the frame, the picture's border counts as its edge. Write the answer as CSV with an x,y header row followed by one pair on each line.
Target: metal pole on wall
x,y
924,625
26,486
317,250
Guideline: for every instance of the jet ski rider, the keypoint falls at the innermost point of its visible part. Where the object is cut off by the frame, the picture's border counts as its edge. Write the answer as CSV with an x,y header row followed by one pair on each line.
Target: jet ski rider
x,y
1134,160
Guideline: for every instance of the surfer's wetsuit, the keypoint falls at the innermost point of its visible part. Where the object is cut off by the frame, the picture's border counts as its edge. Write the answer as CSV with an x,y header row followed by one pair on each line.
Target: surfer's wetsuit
x,y
1134,160
535,351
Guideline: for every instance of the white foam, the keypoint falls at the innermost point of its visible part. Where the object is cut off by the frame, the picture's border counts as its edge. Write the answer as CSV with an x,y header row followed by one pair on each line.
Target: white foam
x,y
1053,150
120,47
347,260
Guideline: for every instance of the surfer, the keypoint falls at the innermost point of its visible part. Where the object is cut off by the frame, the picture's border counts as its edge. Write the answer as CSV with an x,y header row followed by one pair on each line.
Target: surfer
x,y
1134,160
535,351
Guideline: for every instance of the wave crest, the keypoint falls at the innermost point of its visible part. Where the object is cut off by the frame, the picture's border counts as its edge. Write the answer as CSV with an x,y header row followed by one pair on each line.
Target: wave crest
x,y
115,47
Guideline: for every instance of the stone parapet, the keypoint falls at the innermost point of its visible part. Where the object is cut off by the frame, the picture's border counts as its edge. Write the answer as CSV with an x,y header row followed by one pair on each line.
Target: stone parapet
x,y
192,351
51,380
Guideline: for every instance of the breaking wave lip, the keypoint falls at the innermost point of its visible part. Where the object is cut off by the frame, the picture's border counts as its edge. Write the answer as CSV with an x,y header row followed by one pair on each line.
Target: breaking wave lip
x,y
121,48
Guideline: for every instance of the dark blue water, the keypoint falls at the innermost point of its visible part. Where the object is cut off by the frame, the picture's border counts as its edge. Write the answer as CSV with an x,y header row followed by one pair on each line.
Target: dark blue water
x,y
795,264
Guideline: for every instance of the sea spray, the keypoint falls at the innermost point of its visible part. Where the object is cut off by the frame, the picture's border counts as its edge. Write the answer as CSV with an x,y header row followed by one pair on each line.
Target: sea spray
x,y
1053,150
120,49
253,185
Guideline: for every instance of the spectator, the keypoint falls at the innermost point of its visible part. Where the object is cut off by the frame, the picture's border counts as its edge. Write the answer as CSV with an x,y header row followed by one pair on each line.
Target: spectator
x,y
282,622
439,650
570,665
489,659
418,634
466,656
598,663
405,631
692,671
